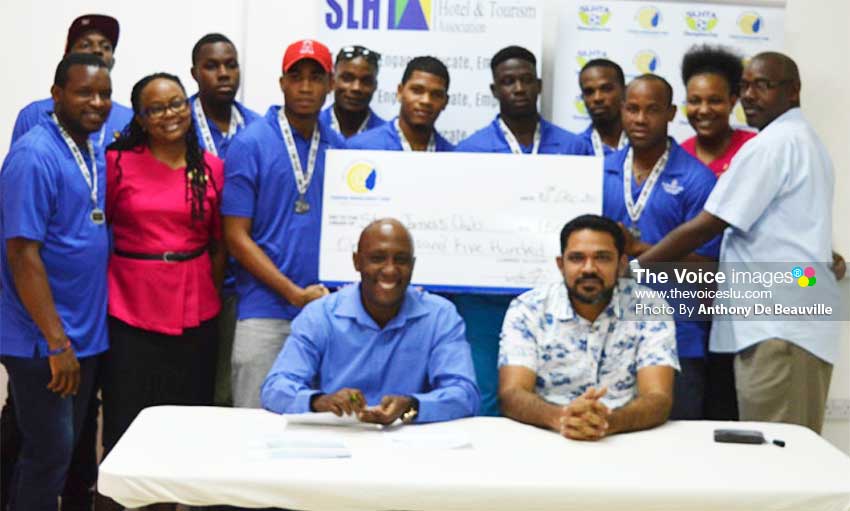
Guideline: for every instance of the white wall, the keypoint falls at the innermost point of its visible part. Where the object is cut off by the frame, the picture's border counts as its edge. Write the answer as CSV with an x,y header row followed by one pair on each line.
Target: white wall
x,y
157,35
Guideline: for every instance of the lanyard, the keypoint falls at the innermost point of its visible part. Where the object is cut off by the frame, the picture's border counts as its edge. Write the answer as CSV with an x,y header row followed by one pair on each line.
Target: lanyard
x,y
405,145
512,141
89,175
335,122
236,123
598,148
302,180
635,209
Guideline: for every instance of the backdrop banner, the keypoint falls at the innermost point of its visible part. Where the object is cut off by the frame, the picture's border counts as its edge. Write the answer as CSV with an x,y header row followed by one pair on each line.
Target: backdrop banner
x,y
464,34
652,38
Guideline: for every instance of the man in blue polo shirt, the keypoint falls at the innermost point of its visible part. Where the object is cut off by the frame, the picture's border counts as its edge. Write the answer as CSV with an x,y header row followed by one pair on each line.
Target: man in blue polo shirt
x,y
651,187
91,33
355,82
272,208
218,118
602,87
379,349
423,94
54,248
518,129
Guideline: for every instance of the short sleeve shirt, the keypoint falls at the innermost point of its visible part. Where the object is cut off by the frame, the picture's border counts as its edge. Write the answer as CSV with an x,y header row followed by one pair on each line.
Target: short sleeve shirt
x,y
679,195
259,184
569,354
777,198
385,137
39,111
44,198
222,140
553,140
326,118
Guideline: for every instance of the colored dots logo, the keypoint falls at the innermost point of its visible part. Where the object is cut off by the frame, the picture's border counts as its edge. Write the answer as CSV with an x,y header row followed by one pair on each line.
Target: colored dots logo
x,y
361,177
648,17
594,16
646,61
805,276
701,21
750,23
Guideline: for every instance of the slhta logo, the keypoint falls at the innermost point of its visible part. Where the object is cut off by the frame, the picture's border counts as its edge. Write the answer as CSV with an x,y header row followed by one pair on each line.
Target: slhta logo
x,y
367,14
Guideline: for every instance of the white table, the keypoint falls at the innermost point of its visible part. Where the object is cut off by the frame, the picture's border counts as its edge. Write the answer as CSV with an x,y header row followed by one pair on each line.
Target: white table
x,y
205,456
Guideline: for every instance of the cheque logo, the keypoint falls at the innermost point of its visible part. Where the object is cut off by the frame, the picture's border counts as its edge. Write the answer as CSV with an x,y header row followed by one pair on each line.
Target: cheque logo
x,y
750,23
701,21
594,16
805,277
361,177
410,15
648,18
646,61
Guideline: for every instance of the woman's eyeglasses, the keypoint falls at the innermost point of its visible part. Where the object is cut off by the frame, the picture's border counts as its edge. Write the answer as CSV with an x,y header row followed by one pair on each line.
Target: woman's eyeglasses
x,y
177,106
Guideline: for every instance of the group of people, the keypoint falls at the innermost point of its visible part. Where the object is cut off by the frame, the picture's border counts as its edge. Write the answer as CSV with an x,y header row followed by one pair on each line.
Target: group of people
x,y
167,253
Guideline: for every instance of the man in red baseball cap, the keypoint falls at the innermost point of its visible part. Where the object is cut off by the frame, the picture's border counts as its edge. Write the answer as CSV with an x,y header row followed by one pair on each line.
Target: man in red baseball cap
x,y
272,203
90,33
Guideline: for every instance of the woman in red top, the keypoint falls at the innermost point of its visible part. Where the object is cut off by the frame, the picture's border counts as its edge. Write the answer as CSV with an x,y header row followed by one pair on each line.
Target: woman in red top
x,y
163,194
712,76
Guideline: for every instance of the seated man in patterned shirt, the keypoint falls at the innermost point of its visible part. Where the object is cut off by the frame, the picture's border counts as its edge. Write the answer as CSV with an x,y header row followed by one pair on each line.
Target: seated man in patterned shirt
x,y
577,356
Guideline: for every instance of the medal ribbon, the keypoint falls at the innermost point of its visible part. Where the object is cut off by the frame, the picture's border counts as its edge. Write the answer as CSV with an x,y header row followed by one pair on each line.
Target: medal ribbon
x,y
635,209
89,175
302,181
512,141
405,145
335,122
598,148
236,123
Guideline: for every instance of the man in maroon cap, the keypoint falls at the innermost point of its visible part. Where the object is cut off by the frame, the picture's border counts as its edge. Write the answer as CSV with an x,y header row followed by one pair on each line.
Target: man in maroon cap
x,y
272,204
91,33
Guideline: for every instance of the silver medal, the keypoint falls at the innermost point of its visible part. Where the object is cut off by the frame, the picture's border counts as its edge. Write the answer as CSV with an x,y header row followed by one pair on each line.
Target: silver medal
x,y
301,205
97,216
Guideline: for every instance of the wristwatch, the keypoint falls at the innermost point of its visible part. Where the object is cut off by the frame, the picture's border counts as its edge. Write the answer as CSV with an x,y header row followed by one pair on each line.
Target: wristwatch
x,y
412,411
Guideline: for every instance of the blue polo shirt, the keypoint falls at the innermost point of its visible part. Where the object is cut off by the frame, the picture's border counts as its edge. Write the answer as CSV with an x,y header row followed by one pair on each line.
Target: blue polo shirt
x,y
325,117
259,184
44,197
553,140
678,196
385,138
39,111
335,344
587,135
222,143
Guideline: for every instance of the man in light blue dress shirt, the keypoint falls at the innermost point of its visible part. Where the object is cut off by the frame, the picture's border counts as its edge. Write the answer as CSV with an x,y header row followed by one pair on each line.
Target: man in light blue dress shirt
x,y
379,349
774,208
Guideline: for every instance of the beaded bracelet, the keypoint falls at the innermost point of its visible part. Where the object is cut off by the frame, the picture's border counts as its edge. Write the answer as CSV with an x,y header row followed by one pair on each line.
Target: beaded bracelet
x,y
60,349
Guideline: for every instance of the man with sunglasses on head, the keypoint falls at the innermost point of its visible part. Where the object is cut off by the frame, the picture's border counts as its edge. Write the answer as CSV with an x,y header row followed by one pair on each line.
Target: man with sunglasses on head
x,y
355,82
423,94
91,33
774,204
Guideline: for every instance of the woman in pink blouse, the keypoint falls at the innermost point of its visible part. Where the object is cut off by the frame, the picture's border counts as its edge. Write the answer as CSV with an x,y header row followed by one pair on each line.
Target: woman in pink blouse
x,y
712,76
163,194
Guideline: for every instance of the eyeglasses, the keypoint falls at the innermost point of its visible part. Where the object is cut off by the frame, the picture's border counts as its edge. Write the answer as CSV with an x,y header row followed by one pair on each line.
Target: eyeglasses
x,y
760,85
177,106
352,52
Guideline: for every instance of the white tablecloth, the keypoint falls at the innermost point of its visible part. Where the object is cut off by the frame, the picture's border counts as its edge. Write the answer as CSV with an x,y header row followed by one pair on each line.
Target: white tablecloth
x,y
205,456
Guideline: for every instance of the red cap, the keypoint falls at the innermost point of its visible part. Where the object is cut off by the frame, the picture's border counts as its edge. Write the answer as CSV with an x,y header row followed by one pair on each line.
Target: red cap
x,y
307,49
106,25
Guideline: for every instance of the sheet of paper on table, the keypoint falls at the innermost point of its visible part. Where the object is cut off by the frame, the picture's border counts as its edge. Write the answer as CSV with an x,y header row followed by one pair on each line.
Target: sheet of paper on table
x,y
329,419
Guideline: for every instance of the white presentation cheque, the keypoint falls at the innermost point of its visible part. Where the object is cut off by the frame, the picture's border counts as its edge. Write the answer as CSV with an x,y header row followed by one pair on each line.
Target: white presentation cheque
x,y
484,223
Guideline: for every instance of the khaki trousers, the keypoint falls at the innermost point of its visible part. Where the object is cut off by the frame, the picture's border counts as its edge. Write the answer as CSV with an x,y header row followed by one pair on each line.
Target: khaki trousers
x,y
777,381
